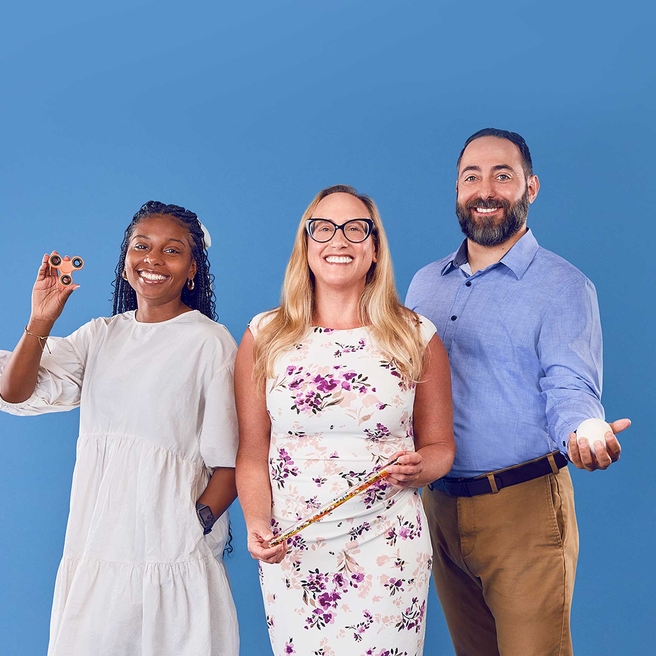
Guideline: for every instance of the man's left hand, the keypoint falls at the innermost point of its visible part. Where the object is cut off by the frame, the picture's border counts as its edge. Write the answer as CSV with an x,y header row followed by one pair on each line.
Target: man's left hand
x,y
602,455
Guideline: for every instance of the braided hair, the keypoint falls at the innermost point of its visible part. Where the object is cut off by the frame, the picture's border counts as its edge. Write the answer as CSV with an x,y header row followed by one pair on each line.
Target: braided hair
x,y
201,297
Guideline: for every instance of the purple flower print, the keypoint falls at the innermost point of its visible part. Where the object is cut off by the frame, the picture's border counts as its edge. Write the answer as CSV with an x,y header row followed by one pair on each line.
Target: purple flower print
x,y
394,586
348,348
406,530
404,384
297,383
319,619
282,468
328,599
324,592
412,617
376,434
289,647
313,393
315,582
361,627
353,478
340,582
374,494
324,384
297,542
359,530
312,503
328,617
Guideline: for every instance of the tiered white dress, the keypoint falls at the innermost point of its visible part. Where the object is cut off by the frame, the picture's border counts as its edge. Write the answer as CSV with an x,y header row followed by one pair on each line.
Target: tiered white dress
x,y
137,577
356,582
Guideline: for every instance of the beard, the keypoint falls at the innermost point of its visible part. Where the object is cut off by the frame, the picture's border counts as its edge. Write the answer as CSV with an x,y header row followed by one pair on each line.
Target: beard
x,y
485,230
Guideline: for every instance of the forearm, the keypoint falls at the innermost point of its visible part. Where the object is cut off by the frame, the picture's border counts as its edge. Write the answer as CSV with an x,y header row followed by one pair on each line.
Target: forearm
x,y
220,492
437,461
20,375
254,489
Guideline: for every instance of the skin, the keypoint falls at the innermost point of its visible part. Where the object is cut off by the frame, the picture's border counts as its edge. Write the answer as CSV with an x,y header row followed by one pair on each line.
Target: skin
x,y
338,288
160,246
339,285
491,168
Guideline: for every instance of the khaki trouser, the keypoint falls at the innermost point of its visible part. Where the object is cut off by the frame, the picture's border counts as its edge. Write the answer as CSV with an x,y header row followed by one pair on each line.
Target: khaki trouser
x,y
504,567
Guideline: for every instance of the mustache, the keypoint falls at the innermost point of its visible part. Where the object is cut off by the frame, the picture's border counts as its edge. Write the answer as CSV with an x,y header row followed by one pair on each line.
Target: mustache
x,y
489,204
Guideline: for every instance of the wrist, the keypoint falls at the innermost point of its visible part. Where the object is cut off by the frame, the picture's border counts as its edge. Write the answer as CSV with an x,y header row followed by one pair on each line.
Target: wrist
x,y
206,517
39,326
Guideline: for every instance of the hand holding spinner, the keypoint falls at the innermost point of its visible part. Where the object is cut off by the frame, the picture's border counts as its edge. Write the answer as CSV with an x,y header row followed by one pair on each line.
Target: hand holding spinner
x,y
374,477
66,267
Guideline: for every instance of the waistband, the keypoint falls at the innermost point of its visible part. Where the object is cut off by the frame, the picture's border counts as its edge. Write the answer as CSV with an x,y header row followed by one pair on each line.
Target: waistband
x,y
492,482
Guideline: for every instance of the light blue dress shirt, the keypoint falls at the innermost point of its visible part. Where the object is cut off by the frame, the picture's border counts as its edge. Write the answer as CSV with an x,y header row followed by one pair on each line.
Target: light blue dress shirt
x,y
524,344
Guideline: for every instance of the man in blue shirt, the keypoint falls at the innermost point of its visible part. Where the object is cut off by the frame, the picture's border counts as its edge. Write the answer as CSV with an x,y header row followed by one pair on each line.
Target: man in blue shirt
x,y
521,327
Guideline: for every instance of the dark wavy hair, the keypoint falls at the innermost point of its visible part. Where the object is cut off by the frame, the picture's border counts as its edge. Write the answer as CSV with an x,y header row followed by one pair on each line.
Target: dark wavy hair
x,y
513,137
201,297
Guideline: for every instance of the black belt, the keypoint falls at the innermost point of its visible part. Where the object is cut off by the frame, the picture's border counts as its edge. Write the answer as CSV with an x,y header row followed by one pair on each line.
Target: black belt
x,y
494,481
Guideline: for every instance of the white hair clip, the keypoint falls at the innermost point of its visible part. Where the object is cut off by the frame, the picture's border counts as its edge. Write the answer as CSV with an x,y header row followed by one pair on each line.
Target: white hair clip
x,y
207,239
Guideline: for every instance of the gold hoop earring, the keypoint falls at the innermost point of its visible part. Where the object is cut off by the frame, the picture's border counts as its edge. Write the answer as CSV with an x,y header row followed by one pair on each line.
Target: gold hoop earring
x,y
190,284
124,275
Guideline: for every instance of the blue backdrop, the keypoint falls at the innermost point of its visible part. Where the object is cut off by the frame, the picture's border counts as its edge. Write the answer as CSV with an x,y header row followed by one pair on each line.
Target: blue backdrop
x,y
242,112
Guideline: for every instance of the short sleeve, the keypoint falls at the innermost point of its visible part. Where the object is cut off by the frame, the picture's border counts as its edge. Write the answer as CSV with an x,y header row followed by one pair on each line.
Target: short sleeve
x,y
427,329
260,320
59,381
219,435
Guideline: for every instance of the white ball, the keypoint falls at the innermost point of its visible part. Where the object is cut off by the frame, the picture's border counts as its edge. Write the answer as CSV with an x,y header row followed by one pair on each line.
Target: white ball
x,y
593,430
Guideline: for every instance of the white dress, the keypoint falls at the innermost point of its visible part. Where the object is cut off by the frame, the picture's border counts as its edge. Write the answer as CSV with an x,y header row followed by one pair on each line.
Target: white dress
x,y
355,583
137,577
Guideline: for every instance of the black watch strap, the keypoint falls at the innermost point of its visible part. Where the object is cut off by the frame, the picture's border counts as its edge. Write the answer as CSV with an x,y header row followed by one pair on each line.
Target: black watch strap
x,y
205,517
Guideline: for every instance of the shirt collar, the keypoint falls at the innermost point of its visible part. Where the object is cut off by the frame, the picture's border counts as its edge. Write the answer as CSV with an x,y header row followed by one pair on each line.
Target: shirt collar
x,y
517,259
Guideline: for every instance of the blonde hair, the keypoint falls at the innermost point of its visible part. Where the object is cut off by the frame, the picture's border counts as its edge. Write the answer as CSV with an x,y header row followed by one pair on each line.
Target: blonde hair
x,y
394,327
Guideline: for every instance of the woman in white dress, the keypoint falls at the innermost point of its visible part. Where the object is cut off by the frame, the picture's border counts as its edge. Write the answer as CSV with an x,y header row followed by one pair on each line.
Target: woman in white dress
x,y
156,449
330,386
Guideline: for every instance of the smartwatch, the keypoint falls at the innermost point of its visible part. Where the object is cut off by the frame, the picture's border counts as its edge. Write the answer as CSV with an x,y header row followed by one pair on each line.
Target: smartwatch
x,y
205,517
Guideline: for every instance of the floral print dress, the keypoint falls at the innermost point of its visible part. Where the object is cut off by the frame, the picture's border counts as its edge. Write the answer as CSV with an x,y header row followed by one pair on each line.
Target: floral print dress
x,y
356,582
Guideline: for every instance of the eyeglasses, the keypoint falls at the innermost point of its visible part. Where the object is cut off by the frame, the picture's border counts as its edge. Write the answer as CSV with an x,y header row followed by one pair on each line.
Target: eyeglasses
x,y
355,230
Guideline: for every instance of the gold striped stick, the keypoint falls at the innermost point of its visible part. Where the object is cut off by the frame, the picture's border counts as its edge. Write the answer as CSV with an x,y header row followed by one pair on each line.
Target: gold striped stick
x,y
327,508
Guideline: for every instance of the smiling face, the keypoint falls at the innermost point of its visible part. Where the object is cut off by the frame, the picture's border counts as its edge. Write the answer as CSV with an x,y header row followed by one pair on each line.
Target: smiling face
x,y
340,263
159,261
493,191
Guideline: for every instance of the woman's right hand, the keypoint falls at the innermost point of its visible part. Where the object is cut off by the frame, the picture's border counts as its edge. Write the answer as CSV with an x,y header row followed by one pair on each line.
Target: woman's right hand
x,y
48,296
258,545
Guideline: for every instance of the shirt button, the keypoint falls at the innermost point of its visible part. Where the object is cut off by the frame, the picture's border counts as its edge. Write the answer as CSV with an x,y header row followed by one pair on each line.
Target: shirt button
x,y
468,283
453,317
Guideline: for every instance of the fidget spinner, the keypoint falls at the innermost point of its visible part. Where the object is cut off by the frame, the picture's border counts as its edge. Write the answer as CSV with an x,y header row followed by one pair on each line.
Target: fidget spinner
x,y
66,267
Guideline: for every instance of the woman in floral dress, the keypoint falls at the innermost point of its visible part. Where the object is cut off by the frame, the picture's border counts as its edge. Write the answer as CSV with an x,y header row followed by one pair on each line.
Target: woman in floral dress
x,y
330,386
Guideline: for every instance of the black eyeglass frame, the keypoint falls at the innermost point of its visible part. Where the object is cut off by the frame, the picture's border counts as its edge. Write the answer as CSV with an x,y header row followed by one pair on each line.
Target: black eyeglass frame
x,y
369,222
